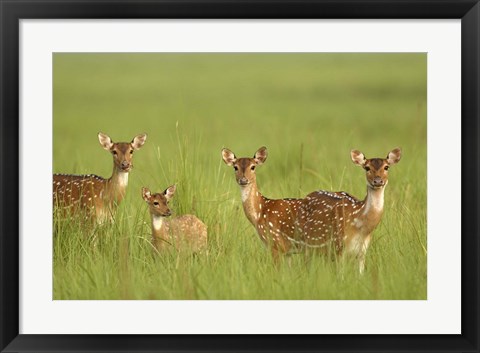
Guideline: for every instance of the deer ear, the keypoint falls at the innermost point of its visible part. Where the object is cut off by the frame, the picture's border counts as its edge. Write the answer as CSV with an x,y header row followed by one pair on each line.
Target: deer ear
x,y
261,155
146,194
138,141
394,156
358,157
228,157
105,141
169,192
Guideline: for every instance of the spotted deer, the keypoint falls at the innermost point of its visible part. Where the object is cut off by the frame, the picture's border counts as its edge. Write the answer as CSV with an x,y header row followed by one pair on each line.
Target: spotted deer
x,y
183,232
322,220
95,197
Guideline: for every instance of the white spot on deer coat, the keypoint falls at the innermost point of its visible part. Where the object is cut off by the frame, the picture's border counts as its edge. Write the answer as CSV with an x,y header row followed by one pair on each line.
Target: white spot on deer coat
x,y
358,223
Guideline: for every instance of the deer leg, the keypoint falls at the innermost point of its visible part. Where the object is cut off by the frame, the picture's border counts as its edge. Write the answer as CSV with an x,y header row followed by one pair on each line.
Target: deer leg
x,y
362,254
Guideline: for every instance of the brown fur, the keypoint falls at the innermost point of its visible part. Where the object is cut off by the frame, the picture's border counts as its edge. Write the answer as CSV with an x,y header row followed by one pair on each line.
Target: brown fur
x,y
322,220
184,232
90,195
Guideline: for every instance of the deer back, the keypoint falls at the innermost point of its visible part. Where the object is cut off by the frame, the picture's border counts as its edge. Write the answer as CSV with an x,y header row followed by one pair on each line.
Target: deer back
x,y
185,231
72,193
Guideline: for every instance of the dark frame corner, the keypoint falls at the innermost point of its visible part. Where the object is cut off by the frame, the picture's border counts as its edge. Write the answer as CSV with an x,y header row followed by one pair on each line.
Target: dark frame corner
x,y
11,11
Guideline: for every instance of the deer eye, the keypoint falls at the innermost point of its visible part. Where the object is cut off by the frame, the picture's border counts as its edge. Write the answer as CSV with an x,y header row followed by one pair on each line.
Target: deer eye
x,y
156,203
367,169
114,153
252,167
131,151
386,167
235,167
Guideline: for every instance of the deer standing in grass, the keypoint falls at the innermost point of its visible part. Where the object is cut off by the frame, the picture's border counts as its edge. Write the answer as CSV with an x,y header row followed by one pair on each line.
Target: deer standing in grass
x,y
95,196
184,232
322,220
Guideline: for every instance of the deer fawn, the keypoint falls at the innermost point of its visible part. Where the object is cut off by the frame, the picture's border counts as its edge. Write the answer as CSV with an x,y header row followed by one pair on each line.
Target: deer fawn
x,y
182,232
94,195
322,219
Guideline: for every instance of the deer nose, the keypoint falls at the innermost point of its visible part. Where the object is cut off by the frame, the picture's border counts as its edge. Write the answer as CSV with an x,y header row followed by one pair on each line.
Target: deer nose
x,y
168,213
378,181
125,164
243,181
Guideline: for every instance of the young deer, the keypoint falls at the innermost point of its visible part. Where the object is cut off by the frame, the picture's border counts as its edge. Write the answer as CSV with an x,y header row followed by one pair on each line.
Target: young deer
x,y
322,220
182,232
94,195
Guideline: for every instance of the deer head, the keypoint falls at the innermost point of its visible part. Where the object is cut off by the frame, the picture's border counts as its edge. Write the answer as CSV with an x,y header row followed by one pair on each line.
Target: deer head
x,y
245,167
158,203
376,168
122,151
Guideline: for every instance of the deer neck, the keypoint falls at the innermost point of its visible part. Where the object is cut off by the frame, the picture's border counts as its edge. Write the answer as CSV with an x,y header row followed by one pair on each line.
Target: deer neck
x,y
373,207
253,202
160,232
117,185
158,226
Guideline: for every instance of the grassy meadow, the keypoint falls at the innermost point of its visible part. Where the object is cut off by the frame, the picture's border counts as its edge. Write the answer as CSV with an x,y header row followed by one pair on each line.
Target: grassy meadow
x,y
309,110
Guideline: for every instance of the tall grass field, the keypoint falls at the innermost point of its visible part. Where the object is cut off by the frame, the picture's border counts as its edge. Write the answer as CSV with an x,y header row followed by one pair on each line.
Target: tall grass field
x,y
308,109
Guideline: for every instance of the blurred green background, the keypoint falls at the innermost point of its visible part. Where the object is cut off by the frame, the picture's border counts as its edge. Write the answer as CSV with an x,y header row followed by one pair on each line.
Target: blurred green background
x,y
309,110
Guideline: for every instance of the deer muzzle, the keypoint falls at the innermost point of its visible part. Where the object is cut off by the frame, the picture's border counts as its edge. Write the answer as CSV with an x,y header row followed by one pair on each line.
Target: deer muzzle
x,y
126,166
378,182
243,181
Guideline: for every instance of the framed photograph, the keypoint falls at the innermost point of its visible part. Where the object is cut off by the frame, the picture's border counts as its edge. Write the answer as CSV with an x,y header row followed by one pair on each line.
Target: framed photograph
x,y
248,207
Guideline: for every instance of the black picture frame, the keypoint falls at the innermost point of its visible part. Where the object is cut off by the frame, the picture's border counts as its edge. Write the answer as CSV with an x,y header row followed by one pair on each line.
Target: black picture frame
x,y
12,11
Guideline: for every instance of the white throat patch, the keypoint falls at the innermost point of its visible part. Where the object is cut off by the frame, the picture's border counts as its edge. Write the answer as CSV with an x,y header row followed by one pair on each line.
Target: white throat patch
x,y
157,222
245,192
123,179
374,200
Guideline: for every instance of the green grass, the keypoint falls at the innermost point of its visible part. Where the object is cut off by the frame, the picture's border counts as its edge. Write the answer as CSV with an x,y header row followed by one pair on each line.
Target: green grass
x,y
310,110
